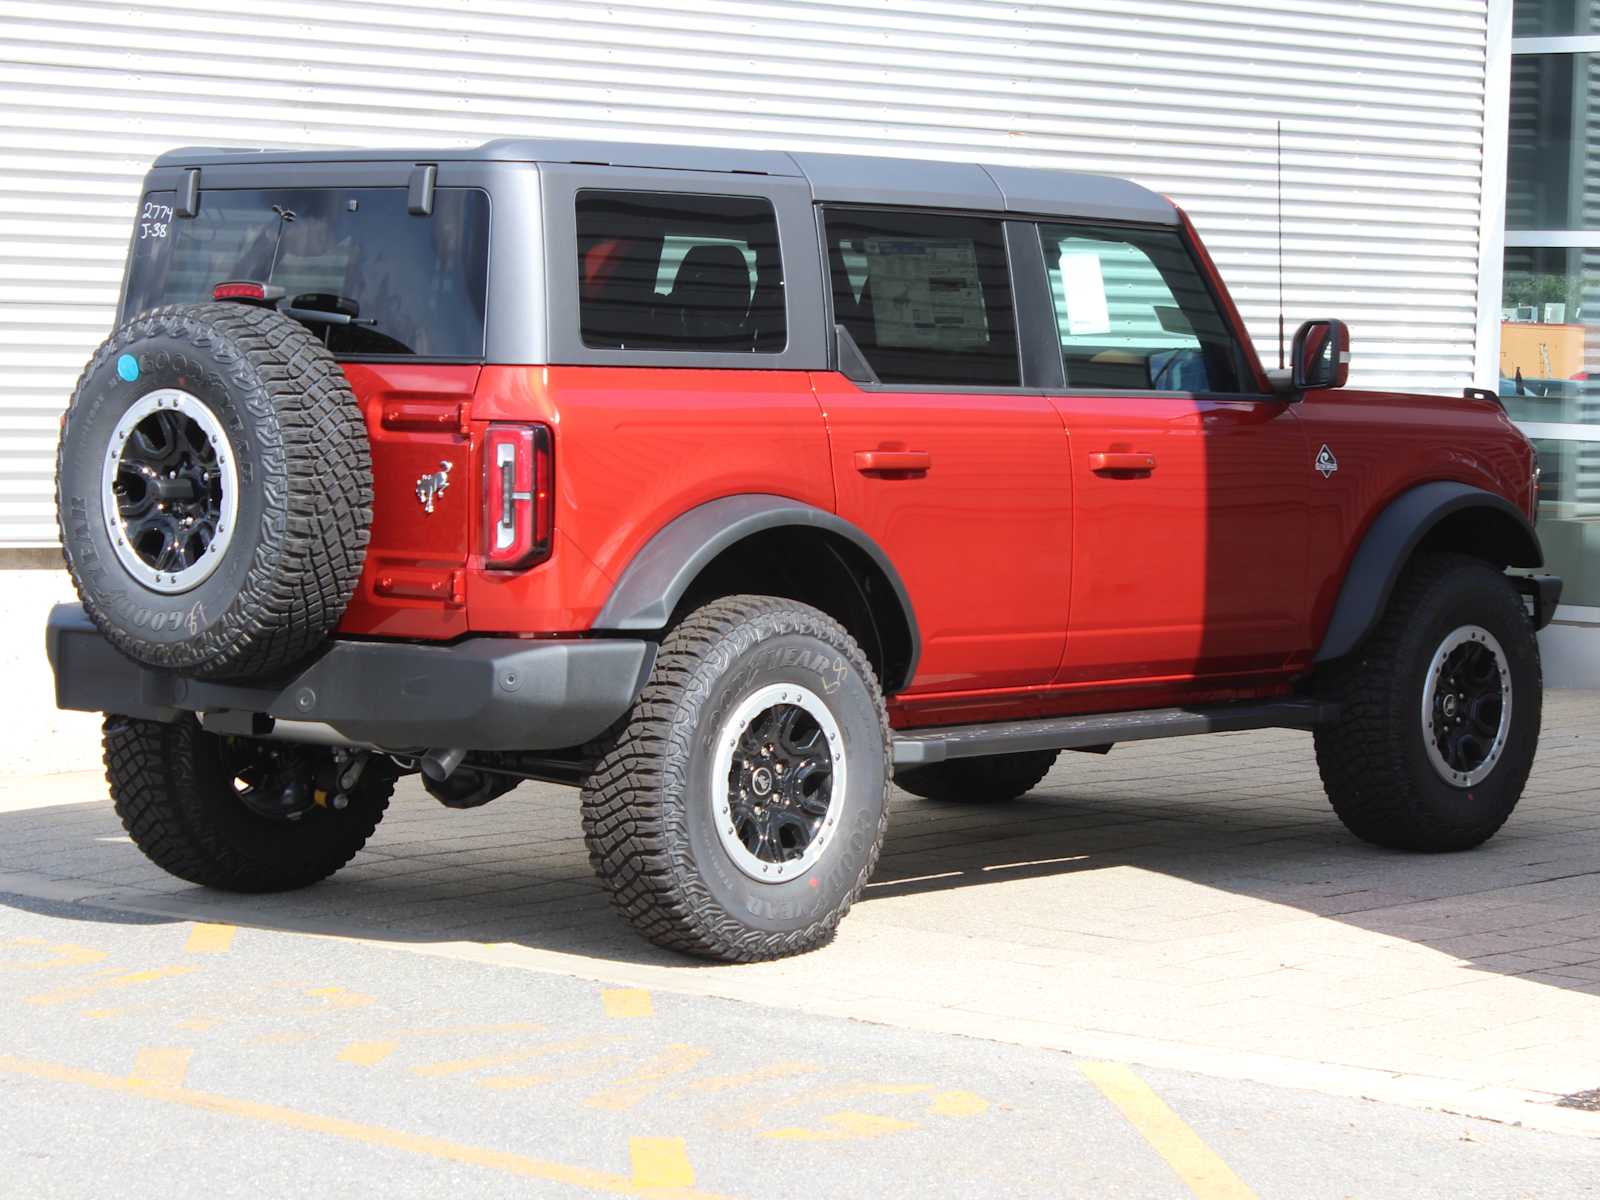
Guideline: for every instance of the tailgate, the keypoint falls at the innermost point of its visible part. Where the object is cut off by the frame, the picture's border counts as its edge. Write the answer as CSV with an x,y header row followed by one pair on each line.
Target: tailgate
x,y
413,585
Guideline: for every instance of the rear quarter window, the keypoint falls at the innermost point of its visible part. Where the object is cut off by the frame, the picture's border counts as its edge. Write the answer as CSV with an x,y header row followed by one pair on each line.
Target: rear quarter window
x,y
412,285
670,271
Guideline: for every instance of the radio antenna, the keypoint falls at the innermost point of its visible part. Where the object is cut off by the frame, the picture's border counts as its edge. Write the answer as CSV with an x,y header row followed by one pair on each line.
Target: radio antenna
x,y
1280,246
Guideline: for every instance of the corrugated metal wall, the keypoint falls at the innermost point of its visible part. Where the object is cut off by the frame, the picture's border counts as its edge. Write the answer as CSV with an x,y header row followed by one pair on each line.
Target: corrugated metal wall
x,y
1382,105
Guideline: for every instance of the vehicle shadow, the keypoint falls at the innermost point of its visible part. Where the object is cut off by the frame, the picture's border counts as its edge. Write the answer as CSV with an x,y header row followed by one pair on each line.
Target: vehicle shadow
x,y
1156,845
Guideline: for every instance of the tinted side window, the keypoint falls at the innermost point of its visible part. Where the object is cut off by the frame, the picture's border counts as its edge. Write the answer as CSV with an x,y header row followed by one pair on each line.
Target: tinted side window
x,y
926,297
662,271
1134,313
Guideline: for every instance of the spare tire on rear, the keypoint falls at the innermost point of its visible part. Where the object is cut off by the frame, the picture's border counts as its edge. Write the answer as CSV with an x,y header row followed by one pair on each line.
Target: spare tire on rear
x,y
214,490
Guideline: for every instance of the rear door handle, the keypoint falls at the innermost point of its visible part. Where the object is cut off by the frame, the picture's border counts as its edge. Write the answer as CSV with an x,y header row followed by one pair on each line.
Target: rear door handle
x,y
1128,462
893,462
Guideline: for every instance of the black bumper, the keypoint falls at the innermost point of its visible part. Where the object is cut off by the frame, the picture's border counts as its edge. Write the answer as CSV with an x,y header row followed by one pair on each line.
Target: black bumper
x,y
1543,593
485,693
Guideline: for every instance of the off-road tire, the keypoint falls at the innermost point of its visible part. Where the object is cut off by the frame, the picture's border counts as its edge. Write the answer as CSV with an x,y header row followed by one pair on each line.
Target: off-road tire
x,y
992,779
178,804
1373,759
304,490
647,802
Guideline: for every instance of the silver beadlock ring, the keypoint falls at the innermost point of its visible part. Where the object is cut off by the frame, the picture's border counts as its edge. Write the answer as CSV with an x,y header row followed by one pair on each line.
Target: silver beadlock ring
x,y
1458,712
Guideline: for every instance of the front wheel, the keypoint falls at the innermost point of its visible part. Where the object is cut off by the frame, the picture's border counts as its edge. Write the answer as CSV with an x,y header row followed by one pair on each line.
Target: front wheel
x,y
1439,711
739,809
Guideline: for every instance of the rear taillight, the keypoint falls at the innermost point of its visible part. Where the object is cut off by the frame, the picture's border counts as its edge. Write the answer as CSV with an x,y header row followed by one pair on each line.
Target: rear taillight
x,y
517,495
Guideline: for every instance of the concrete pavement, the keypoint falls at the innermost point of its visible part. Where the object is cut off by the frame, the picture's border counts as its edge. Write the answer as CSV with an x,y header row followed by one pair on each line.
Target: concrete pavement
x,y
155,1056
1190,904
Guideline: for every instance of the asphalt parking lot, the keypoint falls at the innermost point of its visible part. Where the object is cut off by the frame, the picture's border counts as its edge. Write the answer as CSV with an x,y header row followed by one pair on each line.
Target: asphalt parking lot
x,y
1166,972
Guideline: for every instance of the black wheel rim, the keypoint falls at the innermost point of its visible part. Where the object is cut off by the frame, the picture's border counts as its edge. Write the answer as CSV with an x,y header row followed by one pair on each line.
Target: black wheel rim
x,y
781,783
778,785
170,491
276,782
1467,706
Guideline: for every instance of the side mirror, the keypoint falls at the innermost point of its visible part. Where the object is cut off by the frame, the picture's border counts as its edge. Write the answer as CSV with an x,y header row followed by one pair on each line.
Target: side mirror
x,y
1321,355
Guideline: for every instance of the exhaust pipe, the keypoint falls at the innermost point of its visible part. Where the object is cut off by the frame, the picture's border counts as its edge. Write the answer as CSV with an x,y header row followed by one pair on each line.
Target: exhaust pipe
x,y
439,765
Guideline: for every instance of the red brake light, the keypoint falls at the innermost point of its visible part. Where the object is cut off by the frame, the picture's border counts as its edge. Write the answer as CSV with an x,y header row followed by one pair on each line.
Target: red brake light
x,y
239,290
517,495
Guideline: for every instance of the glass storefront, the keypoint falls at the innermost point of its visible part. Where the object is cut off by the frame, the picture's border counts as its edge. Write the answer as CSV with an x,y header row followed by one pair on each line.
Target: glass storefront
x,y
1550,305
1554,18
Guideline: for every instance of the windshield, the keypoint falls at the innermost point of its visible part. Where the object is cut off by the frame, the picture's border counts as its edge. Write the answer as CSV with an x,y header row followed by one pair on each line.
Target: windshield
x,y
409,285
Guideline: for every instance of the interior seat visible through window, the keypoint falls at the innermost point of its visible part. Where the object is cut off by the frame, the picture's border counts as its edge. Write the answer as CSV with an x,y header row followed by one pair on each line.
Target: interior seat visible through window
x,y
711,297
669,271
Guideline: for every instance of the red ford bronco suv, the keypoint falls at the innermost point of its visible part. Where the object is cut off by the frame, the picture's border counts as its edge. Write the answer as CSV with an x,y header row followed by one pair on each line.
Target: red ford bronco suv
x,y
728,486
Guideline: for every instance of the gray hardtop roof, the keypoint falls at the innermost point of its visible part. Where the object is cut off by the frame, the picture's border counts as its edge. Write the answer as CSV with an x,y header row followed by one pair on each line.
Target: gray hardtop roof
x,y
839,178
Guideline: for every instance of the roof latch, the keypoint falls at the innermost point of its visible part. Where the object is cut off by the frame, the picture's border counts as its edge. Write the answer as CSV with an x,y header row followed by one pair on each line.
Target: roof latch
x,y
419,193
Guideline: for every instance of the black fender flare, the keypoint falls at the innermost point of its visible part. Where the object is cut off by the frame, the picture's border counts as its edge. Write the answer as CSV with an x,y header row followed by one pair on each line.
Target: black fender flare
x,y
648,591
1392,538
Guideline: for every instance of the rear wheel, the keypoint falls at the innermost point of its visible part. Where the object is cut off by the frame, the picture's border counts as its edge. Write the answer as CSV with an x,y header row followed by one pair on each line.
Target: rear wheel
x,y
1439,711
739,809
236,813
990,780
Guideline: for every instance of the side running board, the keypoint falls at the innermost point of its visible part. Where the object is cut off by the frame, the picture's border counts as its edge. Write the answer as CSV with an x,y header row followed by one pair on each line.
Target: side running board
x,y
916,746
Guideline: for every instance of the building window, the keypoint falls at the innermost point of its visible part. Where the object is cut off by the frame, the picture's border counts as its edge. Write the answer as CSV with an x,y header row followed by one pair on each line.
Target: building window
x,y
1550,304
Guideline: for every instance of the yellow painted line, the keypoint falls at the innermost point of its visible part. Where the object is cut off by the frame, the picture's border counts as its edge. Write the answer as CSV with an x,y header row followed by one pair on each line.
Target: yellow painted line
x,y
560,1074
64,954
198,1024
847,1126
162,1066
1202,1171
367,1054
958,1104
660,1162
338,997
473,1030
750,1115
210,939
723,1083
84,991
626,1093
460,1066
627,1002
354,1131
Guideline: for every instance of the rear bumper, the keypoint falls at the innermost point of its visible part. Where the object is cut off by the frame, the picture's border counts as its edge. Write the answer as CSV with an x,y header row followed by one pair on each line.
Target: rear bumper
x,y
482,693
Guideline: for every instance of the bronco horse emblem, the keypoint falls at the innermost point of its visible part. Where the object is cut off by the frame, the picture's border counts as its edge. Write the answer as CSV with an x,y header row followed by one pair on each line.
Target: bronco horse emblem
x,y
432,485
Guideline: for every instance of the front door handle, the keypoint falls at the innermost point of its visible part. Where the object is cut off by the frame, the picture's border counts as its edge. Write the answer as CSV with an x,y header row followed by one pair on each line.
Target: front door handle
x,y
1122,462
893,463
